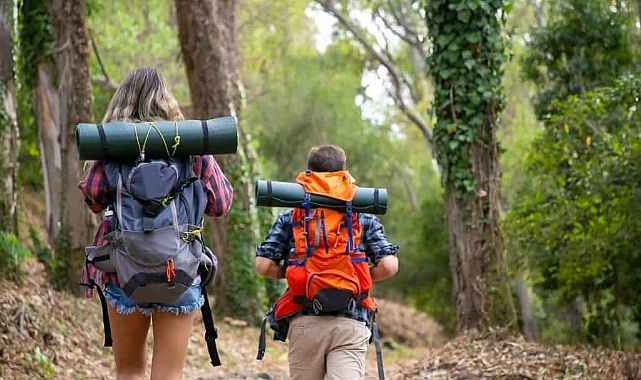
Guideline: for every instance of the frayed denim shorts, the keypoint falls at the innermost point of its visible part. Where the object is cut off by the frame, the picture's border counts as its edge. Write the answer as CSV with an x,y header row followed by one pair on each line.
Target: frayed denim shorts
x,y
190,301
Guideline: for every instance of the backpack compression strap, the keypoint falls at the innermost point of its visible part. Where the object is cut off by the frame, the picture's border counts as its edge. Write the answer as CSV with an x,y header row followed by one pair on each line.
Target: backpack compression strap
x,y
379,351
211,334
262,343
106,326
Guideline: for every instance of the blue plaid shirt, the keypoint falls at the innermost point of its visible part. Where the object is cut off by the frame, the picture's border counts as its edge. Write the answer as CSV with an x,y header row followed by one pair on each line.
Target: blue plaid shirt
x,y
279,243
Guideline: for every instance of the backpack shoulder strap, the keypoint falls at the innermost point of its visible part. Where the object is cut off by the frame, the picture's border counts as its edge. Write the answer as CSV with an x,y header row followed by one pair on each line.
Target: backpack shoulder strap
x,y
211,333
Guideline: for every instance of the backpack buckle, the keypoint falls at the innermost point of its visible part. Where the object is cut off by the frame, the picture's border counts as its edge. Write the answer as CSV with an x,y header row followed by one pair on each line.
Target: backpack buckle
x,y
213,336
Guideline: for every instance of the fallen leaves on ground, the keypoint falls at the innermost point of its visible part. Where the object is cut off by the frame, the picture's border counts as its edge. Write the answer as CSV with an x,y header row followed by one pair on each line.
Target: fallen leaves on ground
x,y
497,356
407,326
47,334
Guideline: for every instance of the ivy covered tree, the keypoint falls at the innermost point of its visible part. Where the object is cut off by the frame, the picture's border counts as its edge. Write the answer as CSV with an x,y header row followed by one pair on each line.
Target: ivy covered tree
x,y
466,62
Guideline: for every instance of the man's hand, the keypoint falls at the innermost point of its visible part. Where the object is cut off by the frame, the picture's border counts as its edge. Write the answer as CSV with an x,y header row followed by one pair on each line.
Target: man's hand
x,y
269,268
387,267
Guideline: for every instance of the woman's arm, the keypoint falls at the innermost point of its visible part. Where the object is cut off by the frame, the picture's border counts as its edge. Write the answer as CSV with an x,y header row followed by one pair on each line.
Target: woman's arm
x,y
219,191
95,187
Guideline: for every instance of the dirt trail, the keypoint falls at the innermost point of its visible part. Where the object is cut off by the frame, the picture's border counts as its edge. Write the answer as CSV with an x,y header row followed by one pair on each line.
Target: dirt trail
x,y
46,334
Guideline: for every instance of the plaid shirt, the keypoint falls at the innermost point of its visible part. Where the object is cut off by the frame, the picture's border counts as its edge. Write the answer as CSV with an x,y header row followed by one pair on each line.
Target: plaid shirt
x,y
98,195
280,240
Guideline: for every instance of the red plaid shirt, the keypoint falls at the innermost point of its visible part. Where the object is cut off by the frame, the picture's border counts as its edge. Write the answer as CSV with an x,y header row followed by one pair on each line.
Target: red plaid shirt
x,y
99,195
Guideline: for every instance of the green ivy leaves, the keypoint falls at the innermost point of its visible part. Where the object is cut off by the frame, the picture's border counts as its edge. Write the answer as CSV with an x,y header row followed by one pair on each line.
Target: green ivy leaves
x,y
469,50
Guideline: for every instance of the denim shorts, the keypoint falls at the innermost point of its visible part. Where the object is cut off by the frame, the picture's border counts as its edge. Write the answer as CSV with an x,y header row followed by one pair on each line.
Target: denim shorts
x,y
191,300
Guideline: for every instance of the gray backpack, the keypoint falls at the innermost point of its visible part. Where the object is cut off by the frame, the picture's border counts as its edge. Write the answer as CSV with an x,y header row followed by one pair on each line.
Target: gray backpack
x,y
155,247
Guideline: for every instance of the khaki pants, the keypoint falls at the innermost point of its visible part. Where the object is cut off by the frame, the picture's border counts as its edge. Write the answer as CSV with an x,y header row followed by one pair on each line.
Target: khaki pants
x,y
327,348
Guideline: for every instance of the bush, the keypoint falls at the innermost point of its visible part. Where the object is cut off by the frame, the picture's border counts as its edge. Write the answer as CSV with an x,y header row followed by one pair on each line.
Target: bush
x,y
12,255
576,223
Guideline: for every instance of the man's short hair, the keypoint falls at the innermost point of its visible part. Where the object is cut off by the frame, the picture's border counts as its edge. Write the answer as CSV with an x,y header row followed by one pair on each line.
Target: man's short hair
x,y
326,158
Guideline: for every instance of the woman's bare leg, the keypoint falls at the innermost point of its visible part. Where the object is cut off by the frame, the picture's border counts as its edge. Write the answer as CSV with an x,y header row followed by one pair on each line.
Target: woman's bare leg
x,y
171,337
129,333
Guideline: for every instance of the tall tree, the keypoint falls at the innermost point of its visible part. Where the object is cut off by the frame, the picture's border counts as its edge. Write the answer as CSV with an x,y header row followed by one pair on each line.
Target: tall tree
x,y
468,52
207,34
62,98
8,122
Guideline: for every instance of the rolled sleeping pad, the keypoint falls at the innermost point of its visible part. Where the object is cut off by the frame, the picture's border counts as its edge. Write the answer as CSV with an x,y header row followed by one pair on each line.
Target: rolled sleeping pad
x,y
117,140
287,194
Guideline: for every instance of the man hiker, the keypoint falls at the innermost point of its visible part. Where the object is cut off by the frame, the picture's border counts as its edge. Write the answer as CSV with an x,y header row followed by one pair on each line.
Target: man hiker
x,y
330,259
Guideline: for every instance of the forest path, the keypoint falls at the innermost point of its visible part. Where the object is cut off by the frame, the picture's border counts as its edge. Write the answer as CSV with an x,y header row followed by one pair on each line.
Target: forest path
x,y
46,334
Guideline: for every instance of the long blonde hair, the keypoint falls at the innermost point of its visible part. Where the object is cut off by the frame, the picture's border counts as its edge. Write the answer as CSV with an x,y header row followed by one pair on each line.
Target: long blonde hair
x,y
143,96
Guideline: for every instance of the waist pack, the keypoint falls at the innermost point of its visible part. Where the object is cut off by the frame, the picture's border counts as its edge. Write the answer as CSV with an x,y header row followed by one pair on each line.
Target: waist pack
x,y
326,273
155,247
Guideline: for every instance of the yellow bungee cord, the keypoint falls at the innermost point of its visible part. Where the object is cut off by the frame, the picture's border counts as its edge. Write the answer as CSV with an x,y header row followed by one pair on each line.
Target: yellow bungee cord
x,y
152,125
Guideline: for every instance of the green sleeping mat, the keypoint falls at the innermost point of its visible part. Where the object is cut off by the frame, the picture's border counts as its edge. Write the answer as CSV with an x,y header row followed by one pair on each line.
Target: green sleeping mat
x,y
117,140
286,194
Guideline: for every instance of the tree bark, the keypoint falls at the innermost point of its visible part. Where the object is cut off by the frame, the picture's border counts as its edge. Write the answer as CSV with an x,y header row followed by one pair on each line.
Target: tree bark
x,y
8,121
482,294
468,153
62,99
206,29
525,305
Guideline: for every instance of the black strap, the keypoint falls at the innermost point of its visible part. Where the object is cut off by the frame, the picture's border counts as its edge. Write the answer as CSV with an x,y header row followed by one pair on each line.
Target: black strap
x,y
103,141
375,201
205,136
379,351
262,343
211,334
269,193
106,326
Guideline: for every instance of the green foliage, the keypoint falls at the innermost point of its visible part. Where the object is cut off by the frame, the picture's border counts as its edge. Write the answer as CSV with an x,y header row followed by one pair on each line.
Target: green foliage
x,y
585,44
131,34
241,286
44,365
468,54
12,255
576,222
35,41
425,278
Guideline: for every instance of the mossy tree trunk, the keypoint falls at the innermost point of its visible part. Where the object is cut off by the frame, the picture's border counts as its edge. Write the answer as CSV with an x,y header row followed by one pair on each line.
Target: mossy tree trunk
x,y
207,33
466,64
62,98
8,120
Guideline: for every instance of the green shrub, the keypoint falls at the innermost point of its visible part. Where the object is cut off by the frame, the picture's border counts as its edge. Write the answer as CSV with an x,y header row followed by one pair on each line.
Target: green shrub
x,y
576,223
12,255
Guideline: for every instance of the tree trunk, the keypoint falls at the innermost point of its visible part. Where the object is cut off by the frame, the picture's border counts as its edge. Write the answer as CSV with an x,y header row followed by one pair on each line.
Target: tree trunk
x,y
62,99
206,30
525,306
8,121
482,294
466,65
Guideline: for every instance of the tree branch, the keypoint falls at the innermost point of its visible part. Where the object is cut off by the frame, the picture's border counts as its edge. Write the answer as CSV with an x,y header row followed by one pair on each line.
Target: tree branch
x,y
106,81
409,38
397,78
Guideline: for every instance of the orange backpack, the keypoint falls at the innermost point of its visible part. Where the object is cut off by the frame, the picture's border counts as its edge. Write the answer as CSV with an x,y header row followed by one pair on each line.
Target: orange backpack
x,y
326,273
